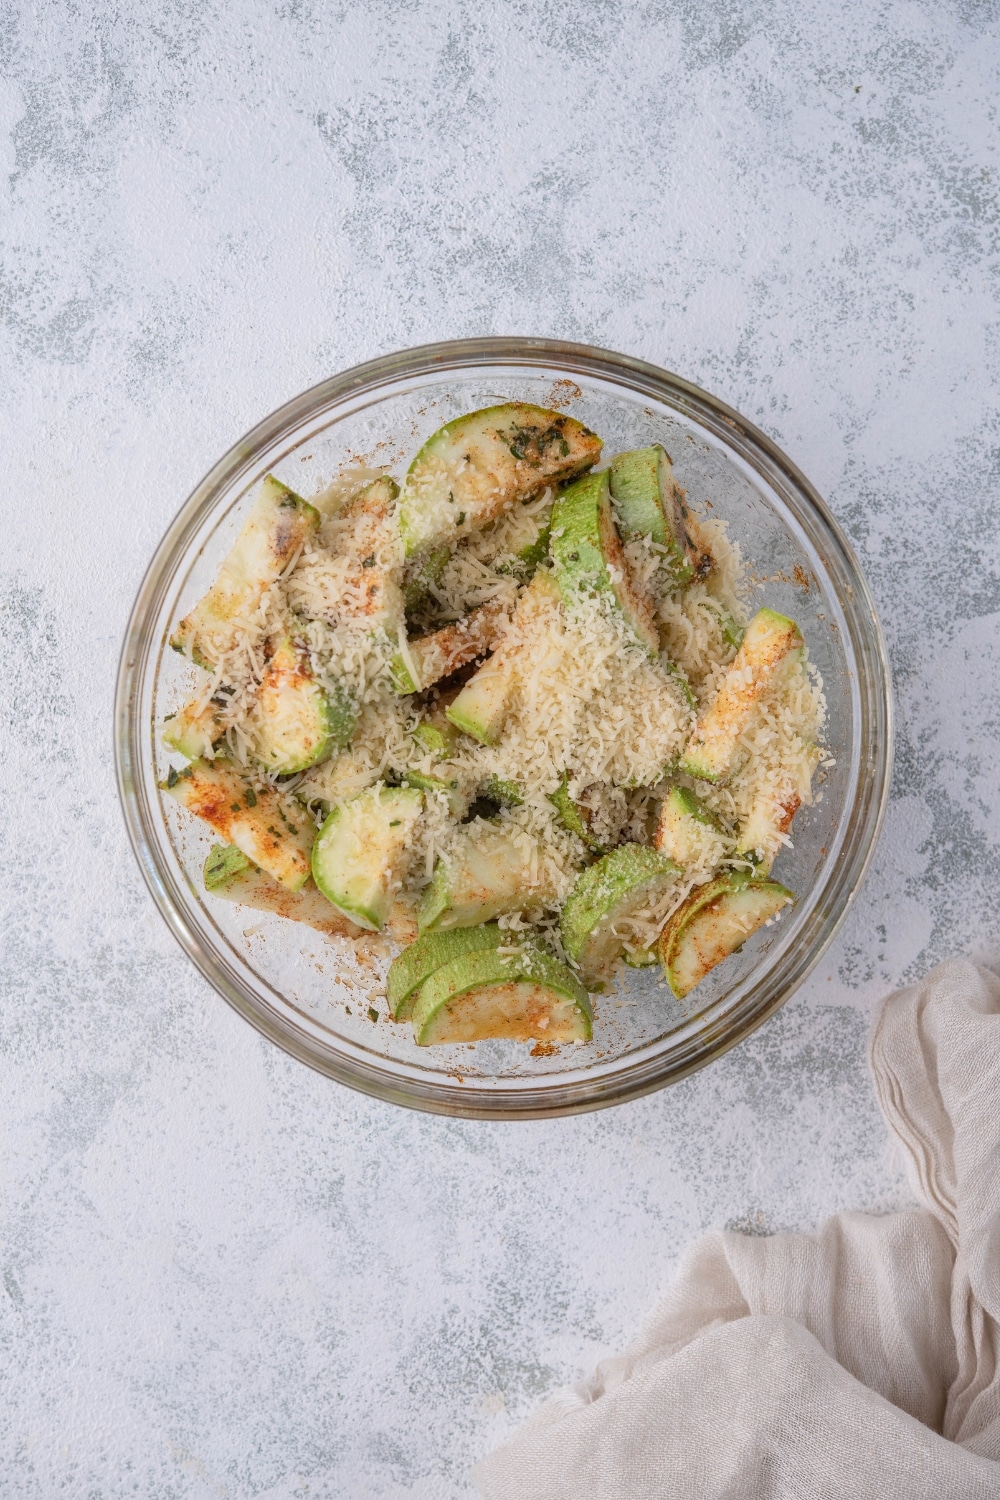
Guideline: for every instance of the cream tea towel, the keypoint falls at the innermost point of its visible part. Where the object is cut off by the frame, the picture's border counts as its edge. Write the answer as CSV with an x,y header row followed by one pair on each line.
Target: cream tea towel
x,y
860,1363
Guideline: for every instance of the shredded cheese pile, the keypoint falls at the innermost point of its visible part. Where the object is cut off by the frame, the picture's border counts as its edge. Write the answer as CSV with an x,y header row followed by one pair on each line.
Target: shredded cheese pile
x,y
588,703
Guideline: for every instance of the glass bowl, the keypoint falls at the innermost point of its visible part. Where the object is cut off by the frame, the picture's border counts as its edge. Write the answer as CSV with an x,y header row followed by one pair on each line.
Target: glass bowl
x,y
312,995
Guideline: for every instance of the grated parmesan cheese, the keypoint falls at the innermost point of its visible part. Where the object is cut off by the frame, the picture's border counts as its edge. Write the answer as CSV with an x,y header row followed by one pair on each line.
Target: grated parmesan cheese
x,y
587,704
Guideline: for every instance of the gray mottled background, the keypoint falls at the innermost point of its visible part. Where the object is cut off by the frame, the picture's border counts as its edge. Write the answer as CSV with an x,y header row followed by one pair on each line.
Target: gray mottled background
x,y
223,1276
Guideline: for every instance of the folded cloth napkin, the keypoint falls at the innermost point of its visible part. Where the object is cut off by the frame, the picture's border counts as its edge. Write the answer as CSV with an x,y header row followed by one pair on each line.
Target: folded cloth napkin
x,y
858,1362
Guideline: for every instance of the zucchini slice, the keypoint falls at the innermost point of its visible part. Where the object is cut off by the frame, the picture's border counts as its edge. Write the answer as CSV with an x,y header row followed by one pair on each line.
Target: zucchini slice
x,y
193,731
648,503
588,556
641,958
480,709
766,643
436,736
770,817
229,875
501,791
429,953
572,816
224,864
423,578
457,800
483,874
372,593
479,465
430,657
358,849
619,884
334,781
277,526
714,922
295,723
524,995
272,831
687,831
527,558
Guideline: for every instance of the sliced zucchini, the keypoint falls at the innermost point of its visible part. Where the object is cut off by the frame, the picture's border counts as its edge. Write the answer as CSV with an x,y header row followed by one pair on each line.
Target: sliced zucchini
x,y
425,783
358,850
295,724
230,875
439,739
587,552
715,921
504,793
527,558
770,817
641,958
428,658
193,731
428,954
480,709
271,830
484,873
687,831
683,686
278,524
523,995
333,781
767,642
423,578
479,465
457,802
732,631
648,503
372,593
572,815
618,885
223,864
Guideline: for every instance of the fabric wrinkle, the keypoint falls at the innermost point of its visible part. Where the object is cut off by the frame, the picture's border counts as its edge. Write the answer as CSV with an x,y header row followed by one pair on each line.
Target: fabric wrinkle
x,y
859,1361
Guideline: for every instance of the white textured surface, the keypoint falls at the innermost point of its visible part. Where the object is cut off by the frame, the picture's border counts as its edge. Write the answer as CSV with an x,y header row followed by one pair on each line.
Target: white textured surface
x,y
221,1274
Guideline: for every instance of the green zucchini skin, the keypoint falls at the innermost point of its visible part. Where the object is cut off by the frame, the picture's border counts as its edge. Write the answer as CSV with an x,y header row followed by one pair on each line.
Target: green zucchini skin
x,y
296,723
572,816
423,578
589,560
223,864
270,830
476,467
481,877
357,850
277,525
687,831
438,738
767,641
432,951
619,882
648,503
193,731
522,994
713,923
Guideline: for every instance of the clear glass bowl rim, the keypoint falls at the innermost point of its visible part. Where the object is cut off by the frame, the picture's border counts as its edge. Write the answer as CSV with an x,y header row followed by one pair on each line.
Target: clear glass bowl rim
x,y
863,820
